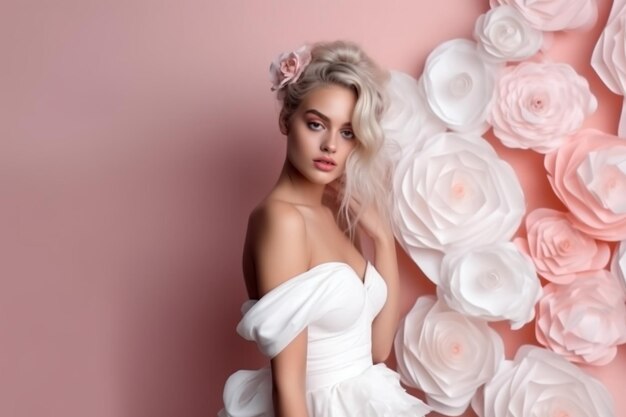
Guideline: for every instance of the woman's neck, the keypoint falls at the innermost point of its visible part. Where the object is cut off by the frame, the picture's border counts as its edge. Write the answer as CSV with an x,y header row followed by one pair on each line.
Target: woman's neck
x,y
292,186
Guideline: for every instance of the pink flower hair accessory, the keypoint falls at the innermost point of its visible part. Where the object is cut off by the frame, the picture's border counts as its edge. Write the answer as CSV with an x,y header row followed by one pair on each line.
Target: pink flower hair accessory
x,y
289,66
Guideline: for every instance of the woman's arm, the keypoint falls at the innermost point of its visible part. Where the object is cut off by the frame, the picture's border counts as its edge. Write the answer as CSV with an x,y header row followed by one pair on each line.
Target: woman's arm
x,y
386,322
279,252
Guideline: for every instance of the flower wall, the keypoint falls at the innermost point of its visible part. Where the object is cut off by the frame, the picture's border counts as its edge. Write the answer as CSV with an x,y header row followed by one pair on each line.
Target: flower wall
x,y
461,215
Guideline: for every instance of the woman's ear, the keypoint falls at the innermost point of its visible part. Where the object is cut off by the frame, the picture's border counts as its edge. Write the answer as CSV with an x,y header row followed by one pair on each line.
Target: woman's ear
x,y
283,123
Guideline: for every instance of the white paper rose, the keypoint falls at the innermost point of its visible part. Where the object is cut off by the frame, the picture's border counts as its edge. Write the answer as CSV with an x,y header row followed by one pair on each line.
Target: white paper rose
x,y
493,283
446,354
609,56
454,192
459,85
537,105
407,118
553,15
559,250
618,263
585,320
504,35
540,383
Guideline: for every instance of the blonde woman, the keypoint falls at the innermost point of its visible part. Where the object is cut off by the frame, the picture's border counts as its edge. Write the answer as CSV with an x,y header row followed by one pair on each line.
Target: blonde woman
x,y
323,314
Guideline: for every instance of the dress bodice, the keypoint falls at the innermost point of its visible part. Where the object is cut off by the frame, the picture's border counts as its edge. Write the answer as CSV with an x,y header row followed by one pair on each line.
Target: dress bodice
x,y
336,307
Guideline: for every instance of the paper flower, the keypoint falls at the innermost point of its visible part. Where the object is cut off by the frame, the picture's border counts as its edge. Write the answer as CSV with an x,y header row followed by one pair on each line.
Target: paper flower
x,y
407,118
618,263
553,15
446,354
588,174
288,67
541,383
454,192
504,35
585,320
537,105
493,283
459,85
559,250
609,55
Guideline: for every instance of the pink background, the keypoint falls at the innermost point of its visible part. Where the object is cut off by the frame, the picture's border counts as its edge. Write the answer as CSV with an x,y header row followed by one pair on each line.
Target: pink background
x,y
136,136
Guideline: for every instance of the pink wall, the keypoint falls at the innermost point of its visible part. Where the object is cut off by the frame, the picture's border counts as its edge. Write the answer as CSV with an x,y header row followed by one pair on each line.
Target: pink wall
x,y
136,136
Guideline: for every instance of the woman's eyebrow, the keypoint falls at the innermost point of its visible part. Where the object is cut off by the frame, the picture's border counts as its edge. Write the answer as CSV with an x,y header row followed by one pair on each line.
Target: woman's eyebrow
x,y
319,114
323,116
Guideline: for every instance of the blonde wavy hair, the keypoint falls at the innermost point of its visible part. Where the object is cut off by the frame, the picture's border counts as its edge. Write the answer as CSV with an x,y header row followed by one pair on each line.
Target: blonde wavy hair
x,y
367,174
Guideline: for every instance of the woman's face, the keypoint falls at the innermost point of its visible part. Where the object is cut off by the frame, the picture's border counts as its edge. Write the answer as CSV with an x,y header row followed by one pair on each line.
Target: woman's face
x,y
319,133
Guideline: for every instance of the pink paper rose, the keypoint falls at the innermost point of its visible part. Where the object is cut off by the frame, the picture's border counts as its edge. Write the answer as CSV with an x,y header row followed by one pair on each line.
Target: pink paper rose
x,y
288,67
588,174
553,15
559,250
537,105
585,320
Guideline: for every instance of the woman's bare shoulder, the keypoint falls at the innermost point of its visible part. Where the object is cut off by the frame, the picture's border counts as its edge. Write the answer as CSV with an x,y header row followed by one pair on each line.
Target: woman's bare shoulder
x,y
276,243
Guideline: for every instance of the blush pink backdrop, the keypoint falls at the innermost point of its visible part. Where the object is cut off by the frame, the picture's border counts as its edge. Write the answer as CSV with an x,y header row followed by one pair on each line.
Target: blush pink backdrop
x,y
135,137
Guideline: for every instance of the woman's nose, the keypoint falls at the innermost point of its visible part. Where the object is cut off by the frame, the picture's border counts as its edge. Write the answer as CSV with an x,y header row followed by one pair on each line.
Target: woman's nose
x,y
329,144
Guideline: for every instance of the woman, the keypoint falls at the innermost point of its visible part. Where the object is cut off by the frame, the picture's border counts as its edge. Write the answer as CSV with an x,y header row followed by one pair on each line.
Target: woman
x,y
324,315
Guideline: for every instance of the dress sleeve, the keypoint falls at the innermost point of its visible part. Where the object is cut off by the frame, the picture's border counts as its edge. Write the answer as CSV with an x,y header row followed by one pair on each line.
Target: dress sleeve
x,y
281,314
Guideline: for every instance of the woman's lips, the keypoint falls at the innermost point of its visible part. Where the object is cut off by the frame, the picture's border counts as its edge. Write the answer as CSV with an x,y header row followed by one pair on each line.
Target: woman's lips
x,y
324,164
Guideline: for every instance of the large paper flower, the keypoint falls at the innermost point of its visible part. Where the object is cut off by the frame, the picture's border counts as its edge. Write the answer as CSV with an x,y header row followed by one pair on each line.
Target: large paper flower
x,y
459,85
588,174
618,263
540,383
454,192
559,250
446,354
585,320
538,105
553,15
504,35
494,283
609,56
407,118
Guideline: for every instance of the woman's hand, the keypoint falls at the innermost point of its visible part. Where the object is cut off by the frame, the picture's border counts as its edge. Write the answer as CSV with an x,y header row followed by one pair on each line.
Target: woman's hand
x,y
371,222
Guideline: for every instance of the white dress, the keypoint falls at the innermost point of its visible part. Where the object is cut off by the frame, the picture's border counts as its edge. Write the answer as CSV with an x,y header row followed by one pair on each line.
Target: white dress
x,y
338,309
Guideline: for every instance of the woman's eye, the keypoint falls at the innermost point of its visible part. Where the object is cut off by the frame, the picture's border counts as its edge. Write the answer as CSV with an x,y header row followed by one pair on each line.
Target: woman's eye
x,y
348,134
315,125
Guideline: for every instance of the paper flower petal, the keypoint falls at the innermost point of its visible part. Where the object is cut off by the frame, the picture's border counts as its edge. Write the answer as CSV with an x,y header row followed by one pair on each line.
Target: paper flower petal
x,y
583,321
588,174
538,105
446,354
493,283
407,118
559,250
451,193
504,35
555,15
618,263
541,383
459,85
